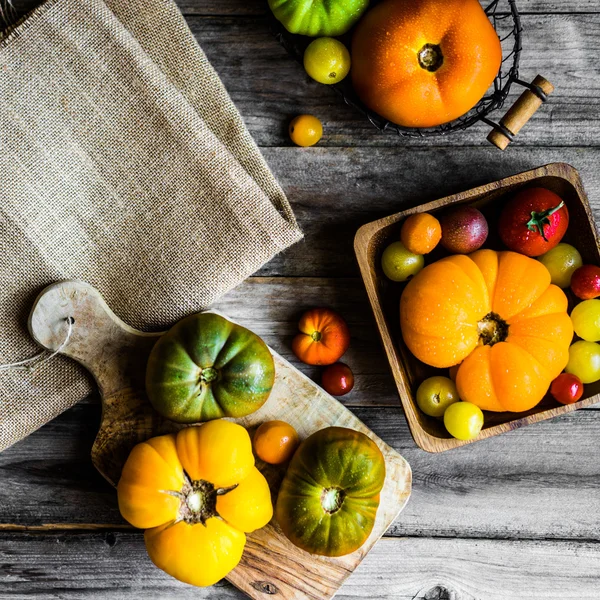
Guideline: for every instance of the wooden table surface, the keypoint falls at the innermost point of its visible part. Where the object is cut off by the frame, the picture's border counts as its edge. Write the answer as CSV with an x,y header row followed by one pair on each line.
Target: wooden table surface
x,y
514,517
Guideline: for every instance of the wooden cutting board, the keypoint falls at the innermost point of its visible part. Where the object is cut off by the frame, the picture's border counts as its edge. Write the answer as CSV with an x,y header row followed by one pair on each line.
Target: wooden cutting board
x,y
116,355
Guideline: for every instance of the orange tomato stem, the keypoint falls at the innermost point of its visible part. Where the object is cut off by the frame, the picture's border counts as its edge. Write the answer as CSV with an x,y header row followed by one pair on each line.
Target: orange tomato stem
x,y
492,329
430,57
316,336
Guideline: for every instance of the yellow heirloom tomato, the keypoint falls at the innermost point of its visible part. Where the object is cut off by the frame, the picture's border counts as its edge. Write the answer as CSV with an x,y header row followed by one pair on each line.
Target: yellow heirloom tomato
x,y
196,493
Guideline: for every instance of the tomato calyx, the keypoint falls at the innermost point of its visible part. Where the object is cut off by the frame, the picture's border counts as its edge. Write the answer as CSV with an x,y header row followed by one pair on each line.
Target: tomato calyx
x,y
332,499
539,219
209,374
316,336
198,500
430,57
492,329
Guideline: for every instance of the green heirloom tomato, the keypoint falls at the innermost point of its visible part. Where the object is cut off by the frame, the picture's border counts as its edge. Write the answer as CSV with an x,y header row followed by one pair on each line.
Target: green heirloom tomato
x,y
317,18
206,367
330,494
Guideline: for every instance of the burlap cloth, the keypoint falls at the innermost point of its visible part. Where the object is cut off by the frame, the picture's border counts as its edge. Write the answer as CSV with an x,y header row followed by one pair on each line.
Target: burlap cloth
x,y
123,162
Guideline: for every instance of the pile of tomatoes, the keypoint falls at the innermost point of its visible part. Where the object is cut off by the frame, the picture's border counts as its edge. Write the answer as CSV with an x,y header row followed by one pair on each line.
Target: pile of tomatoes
x,y
406,60
323,339
532,223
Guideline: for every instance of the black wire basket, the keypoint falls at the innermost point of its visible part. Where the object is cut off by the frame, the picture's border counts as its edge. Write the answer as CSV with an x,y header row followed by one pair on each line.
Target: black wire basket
x,y
506,21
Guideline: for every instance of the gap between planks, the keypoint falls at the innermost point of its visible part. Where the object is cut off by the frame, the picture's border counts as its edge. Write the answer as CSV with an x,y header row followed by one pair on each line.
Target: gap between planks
x,y
91,528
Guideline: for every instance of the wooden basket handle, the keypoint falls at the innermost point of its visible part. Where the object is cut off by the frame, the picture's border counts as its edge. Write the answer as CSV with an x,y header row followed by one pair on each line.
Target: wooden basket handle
x,y
520,112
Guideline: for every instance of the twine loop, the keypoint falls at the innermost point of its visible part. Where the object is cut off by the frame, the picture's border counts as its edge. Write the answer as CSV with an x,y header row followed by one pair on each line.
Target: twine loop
x,y
33,363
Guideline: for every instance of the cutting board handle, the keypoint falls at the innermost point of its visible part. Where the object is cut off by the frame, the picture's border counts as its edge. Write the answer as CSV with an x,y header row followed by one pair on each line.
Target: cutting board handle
x,y
115,354
520,112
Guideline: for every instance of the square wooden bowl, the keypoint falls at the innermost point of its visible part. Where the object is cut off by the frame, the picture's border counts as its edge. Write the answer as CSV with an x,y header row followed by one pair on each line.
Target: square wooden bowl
x,y
384,295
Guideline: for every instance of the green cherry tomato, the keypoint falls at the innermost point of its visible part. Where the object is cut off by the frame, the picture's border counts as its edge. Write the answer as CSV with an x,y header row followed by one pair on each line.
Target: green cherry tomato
x,y
562,261
399,264
584,361
327,60
586,320
435,395
463,420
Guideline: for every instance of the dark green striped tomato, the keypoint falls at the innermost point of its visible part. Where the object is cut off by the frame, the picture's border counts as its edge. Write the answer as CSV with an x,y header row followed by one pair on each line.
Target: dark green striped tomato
x,y
206,367
329,497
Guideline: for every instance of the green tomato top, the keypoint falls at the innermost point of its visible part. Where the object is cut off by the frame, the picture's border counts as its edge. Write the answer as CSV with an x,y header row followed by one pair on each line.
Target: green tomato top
x,y
317,18
206,367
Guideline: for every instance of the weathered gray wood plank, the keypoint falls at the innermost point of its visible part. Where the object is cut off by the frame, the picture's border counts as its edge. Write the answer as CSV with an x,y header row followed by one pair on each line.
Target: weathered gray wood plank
x,y
114,566
272,307
539,482
269,87
335,191
259,7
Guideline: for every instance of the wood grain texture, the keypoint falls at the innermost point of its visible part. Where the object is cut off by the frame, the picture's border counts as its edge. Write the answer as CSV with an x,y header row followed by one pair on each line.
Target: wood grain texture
x,y
384,296
269,87
245,8
259,7
114,566
116,356
335,191
539,482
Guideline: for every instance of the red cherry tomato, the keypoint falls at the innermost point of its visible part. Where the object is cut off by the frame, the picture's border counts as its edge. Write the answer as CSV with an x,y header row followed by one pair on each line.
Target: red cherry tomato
x,y
337,379
567,388
534,221
585,282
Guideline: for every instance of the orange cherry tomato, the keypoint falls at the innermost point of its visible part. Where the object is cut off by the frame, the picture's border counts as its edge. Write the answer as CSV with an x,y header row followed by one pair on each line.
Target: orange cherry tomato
x,y
323,339
306,130
421,233
275,442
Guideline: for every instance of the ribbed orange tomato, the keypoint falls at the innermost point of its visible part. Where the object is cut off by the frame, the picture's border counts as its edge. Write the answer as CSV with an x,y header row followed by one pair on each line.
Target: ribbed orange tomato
x,y
421,63
496,314
324,337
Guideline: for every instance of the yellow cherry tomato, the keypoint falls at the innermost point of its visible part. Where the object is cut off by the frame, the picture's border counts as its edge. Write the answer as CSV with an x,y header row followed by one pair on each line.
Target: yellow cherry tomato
x,y
327,60
399,264
463,420
306,130
436,394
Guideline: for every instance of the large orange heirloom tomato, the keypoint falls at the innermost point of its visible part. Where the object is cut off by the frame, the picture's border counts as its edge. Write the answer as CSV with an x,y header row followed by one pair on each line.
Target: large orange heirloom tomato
x,y
421,63
496,314
196,493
